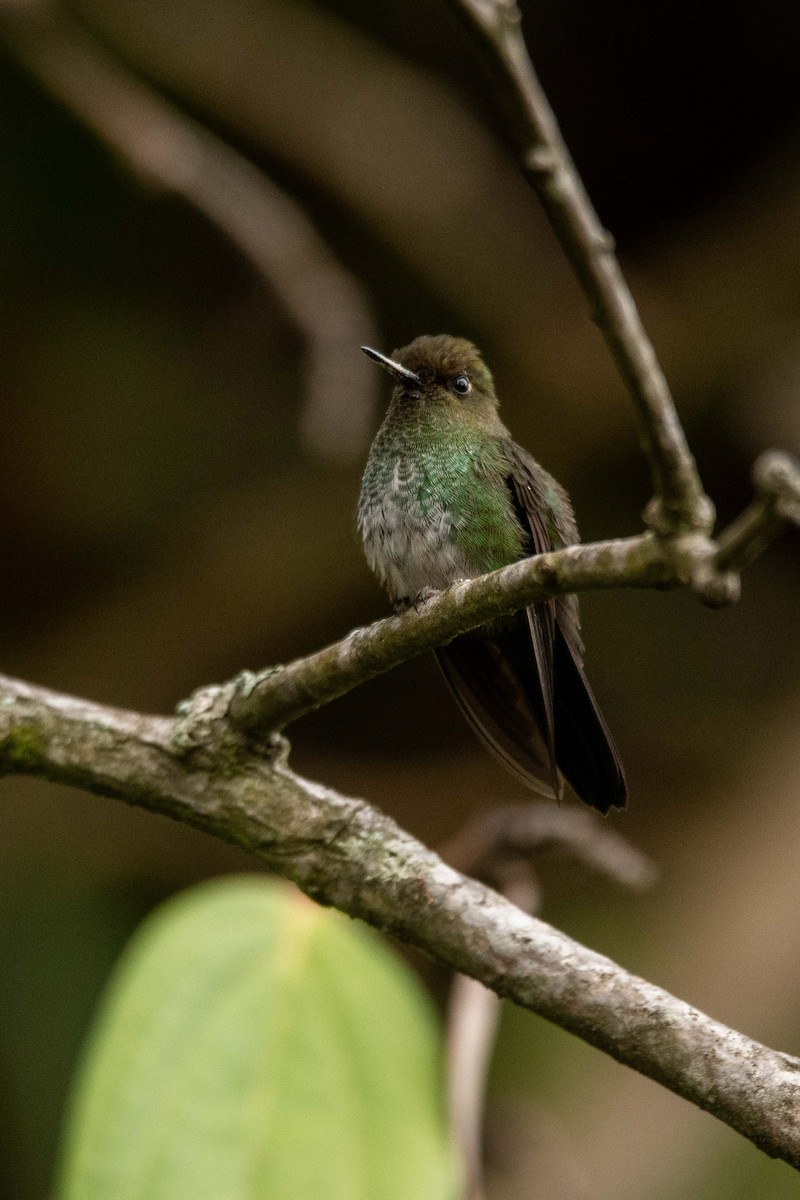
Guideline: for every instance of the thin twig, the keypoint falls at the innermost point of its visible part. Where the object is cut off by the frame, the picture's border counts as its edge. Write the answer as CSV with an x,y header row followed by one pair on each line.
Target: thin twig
x,y
485,845
175,154
345,853
273,698
279,695
680,501
473,1017
777,504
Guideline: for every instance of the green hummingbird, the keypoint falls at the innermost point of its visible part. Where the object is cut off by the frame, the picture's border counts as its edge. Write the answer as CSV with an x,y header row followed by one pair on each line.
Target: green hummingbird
x,y
448,495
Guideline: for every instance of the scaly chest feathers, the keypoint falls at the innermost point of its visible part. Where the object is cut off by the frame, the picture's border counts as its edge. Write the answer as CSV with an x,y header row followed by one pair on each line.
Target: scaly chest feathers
x,y
433,510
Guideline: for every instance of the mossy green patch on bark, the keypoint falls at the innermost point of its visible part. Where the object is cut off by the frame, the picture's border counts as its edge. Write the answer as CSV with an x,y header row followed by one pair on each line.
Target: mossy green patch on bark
x,y
23,748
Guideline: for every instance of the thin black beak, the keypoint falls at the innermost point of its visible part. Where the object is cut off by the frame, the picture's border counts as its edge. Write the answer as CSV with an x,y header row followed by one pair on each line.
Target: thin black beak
x,y
394,368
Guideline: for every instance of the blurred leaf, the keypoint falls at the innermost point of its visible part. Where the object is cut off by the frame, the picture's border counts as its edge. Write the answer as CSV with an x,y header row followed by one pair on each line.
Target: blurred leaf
x,y
59,938
254,1046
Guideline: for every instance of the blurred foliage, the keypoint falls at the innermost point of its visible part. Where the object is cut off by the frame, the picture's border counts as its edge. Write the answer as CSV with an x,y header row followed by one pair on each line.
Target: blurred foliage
x,y
48,989
161,526
253,1045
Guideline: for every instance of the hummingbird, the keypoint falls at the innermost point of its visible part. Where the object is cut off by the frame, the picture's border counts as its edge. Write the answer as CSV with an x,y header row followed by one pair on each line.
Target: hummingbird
x,y
448,495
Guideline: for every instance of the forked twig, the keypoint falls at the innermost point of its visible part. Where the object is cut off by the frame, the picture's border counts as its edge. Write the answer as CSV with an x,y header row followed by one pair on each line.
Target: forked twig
x,y
680,501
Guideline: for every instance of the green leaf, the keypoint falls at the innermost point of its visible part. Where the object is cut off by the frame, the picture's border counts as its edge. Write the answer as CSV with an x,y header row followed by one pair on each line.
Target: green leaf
x,y
253,1046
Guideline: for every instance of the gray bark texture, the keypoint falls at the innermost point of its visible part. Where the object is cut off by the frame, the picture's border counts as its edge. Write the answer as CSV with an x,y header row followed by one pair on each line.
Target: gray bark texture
x,y
346,853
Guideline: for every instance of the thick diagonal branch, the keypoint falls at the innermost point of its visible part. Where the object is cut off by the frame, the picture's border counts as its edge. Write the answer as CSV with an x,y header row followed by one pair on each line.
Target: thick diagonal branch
x,y
345,853
680,499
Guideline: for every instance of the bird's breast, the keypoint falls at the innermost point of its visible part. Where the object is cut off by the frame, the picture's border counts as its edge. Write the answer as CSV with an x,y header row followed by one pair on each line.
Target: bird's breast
x,y
406,517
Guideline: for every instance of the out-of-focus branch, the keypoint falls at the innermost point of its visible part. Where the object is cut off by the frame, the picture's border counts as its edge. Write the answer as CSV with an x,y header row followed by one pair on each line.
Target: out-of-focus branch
x,y
345,853
269,70
176,154
680,501
777,504
501,847
473,1017
496,840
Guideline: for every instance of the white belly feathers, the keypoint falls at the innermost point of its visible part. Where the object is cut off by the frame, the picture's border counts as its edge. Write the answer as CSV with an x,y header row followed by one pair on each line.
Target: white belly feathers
x,y
408,548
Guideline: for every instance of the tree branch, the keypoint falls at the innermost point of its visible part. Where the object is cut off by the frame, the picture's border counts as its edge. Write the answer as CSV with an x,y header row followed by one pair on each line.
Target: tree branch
x,y
680,501
272,698
342,852
777,504
494,844
279,695
173,153
501,847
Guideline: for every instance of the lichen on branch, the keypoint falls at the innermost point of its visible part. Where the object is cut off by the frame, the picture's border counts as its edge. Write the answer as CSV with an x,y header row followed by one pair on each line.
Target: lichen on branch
x,y
346,853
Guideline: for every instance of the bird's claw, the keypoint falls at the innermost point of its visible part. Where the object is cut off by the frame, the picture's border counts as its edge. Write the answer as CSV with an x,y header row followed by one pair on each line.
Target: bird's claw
x,y
405,603
421,597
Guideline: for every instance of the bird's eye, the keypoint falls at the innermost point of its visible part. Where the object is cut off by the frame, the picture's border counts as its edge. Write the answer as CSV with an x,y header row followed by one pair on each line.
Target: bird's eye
x,y
462,385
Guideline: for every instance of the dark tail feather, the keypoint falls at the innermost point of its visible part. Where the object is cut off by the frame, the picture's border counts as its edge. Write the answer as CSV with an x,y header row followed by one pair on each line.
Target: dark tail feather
x,y
494,676
541,620
585,750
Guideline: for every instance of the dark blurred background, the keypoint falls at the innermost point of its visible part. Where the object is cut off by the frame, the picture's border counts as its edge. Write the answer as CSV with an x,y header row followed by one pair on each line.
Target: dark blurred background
x,y
167,518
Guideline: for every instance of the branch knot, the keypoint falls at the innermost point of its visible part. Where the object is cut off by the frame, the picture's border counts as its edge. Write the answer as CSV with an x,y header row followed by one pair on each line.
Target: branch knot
x,y
668,520
776,475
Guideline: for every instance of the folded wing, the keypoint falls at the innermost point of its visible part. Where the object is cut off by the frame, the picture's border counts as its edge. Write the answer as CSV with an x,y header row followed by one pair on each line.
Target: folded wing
x,y
520,681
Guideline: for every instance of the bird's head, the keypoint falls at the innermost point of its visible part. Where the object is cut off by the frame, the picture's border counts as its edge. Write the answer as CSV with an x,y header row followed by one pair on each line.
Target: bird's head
x,y
445,371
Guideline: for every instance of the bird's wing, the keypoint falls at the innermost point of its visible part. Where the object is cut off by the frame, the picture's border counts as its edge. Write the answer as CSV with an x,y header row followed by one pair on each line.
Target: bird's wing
x,y
494,678
584,749
519,680
540,618
502,675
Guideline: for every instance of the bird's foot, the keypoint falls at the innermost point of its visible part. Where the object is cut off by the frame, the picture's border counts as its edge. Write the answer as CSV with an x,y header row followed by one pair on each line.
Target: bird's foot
x,y
403,605
426,594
